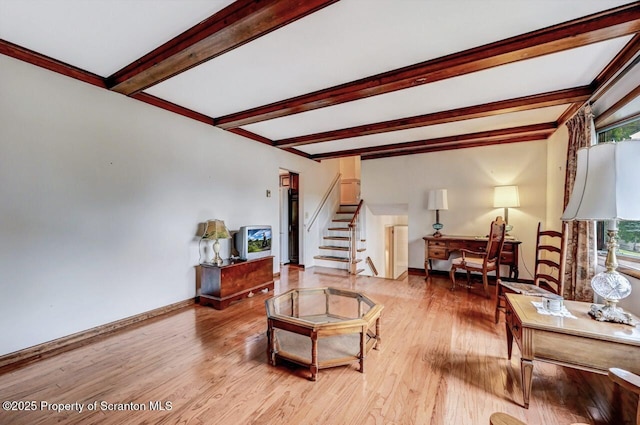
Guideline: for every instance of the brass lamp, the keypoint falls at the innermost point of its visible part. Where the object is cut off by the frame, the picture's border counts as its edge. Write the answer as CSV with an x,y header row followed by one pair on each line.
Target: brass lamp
x,y
437,201
216,230
605,188
506,197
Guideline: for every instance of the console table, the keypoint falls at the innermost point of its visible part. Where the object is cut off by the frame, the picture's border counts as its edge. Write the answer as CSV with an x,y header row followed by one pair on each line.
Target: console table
x,y
580,343
234,280
441,248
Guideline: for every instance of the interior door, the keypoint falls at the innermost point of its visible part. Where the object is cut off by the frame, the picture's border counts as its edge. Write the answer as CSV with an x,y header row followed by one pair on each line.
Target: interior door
x,y
400,250
284,223
293,210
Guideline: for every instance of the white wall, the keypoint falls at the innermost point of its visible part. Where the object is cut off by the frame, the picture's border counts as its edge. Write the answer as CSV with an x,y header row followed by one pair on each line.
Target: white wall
x,y
556,170
469,176
101,197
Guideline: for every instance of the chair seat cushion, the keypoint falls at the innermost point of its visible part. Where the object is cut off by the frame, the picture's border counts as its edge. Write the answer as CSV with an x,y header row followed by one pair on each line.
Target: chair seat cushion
x,y
471,262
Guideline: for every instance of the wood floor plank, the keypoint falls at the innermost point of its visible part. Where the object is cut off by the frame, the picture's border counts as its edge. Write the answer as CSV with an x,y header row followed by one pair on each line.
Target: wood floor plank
x,y
442,361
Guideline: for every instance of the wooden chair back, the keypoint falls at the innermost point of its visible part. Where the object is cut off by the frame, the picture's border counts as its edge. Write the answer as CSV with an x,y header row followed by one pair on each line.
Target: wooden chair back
x,y
496,239
482,261
551,256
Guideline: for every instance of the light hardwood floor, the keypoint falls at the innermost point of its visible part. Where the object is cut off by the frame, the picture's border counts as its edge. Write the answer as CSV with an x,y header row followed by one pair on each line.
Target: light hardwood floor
x,y
442,362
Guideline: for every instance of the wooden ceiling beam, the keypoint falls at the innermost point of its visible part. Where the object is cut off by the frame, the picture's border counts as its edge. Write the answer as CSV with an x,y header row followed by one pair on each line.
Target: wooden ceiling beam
x,y
172,107
233,26
619,66
626,99
617,22
559,97
537,131
261,139
569,112
456,145
37,59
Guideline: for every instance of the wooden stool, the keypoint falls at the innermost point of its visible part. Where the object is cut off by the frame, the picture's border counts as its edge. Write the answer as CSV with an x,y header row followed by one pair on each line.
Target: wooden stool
x,y
500,418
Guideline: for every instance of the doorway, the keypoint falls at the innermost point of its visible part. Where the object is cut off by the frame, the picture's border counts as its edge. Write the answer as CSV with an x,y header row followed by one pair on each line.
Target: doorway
x,y
396,251
289,217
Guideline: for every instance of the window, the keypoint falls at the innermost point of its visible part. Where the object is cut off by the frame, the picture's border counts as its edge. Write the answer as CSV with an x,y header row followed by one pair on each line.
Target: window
x,y
628,231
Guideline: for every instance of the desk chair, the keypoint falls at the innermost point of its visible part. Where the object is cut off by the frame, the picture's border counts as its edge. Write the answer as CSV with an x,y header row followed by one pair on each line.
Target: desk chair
x,y
482,261
629,381
548,278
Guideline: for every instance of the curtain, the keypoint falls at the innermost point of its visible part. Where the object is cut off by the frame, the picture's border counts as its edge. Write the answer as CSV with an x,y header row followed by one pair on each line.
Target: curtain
x,y
581,250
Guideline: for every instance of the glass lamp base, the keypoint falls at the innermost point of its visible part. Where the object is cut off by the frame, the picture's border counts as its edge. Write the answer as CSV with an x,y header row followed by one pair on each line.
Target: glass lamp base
x,y
437,227
611,313
612,286
217,259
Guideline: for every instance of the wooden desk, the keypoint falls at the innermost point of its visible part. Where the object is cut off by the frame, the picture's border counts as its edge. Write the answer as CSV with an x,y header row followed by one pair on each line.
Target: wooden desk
x,y
581,343
442,247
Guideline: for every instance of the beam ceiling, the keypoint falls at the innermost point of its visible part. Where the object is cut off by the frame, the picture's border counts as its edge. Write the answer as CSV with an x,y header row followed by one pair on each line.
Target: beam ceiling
x,y
235,25
246,20
602,26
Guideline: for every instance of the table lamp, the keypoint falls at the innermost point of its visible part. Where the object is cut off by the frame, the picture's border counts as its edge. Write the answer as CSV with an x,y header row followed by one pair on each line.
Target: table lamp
x,y
437,201
605,188
506,197
216,229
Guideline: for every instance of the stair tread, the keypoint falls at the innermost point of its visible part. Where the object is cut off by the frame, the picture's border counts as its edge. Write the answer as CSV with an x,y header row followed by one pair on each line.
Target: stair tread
x,y
335,247
339,229
331,258
337,238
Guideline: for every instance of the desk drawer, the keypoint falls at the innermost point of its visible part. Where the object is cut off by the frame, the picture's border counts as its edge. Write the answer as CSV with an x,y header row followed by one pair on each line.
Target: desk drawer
x,y
506,258
513,323
458,245
441,244
438,253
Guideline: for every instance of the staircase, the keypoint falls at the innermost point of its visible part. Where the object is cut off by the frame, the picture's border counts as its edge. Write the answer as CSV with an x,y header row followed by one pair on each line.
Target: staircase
x,y
342,240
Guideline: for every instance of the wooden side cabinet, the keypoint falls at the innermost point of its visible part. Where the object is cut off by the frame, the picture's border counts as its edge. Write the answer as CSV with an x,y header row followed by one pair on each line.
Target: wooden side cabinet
x,y
220,285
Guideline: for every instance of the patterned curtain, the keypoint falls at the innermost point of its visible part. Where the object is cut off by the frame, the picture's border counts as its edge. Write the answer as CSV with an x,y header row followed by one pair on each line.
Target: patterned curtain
x,y
581,252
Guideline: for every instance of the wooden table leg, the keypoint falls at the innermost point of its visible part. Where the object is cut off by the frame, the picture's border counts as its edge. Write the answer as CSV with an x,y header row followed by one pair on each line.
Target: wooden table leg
x,y
376,346
509,339
314,356
526,370
363,347
427,266
271,346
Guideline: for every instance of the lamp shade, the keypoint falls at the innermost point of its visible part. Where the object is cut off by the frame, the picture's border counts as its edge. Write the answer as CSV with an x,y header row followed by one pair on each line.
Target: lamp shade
x,y
216,229
606,185
506,197
438,200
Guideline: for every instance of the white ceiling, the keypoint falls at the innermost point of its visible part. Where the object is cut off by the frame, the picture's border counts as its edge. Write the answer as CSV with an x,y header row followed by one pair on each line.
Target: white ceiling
x,y
338,44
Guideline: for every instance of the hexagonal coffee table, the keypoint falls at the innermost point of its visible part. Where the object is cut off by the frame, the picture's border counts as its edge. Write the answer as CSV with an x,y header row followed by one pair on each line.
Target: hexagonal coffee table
x,y
322,327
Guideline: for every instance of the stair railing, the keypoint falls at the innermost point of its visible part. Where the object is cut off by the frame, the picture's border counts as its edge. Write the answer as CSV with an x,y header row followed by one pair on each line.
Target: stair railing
x,y
355,231
321,205
371,266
